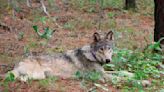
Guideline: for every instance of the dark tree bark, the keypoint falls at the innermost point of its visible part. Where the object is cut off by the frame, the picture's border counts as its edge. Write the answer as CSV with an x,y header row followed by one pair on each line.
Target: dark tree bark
x,y
159,20
130,4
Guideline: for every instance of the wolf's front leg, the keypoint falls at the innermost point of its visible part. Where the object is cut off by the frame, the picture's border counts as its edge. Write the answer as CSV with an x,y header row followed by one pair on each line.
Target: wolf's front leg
x,y
100,69
106,76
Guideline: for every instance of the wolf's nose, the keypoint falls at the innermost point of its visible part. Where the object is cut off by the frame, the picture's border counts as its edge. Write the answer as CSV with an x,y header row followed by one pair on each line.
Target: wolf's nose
x,y
107,60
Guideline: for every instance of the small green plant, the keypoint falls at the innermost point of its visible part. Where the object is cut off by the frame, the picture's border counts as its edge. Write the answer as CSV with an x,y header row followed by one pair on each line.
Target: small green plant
x,y
155,46
47,34
43,20
140,75
111,14
88,75
46,82
9,78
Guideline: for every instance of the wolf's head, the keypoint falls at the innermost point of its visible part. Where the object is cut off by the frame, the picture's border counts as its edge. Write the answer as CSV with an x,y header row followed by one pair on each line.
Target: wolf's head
x,y
102,47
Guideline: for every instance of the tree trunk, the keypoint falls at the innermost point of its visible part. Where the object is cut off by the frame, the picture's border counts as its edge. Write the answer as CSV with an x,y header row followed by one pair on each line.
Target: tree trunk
x,y
130,4
159,20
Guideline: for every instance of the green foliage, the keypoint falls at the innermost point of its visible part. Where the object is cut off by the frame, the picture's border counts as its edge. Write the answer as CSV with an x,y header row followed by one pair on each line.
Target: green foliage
x,y
46,82
137,84
155,46
41,19
47,34
88,75
142,63
111,14
109,67
10,77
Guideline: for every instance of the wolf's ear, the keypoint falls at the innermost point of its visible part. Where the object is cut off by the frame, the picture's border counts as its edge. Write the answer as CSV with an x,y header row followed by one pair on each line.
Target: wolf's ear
x,y
96,37
109,36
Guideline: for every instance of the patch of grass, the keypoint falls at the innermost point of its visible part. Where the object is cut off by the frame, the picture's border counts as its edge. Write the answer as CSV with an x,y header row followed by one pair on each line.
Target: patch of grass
x,y
47,82
88,75
142,63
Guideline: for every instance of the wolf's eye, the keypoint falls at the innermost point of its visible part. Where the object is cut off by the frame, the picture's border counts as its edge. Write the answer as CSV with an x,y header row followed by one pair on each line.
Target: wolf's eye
x,y
101,48
108,47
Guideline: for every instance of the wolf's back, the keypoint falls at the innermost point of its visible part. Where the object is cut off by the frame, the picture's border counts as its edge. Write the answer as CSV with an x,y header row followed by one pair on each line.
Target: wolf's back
x,y
40,68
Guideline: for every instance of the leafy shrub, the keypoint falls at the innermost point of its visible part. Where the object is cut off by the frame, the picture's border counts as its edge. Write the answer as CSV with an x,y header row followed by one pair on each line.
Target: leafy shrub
x,y
10,77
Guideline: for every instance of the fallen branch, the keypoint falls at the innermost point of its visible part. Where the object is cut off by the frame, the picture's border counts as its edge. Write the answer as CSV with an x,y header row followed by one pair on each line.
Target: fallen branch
x,y
28,2
102,87
44,8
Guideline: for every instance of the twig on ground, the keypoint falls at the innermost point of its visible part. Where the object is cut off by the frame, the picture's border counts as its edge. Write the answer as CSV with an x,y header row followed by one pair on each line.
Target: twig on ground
x,y
44,8
28,2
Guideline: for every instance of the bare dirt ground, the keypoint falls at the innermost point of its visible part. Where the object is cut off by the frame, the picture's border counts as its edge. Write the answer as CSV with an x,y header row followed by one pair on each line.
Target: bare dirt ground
x,y
132,30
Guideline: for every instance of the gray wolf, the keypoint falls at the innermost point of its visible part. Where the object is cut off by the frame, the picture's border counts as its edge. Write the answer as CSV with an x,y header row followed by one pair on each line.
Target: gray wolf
x,y
88,57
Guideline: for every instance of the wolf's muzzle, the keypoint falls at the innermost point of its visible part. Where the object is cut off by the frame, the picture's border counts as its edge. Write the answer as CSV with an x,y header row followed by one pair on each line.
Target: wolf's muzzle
x,y
107,60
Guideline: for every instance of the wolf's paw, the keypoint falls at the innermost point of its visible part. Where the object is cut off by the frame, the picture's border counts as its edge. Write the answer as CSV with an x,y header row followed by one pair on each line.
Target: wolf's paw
x,y
108,77
24,78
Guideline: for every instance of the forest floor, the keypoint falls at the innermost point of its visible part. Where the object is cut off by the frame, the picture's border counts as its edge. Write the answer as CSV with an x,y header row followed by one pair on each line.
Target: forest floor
x,y
73,29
